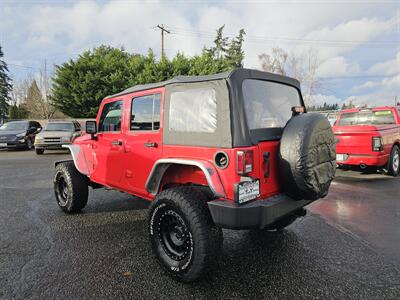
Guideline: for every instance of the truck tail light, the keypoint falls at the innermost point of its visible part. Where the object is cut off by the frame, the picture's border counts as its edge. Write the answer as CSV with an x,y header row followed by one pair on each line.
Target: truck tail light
x,y
244,162
377,143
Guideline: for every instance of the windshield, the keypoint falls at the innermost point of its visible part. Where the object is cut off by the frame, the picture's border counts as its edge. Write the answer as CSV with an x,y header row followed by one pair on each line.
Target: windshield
x,y
268,104
367,117
59,127
14,126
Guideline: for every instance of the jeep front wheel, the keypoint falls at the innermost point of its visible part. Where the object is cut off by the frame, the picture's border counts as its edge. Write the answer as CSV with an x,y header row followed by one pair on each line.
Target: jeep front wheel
x,y
70,188
182,234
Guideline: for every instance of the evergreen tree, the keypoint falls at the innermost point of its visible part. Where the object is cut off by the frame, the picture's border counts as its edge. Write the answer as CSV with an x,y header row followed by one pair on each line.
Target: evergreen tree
x,y
5,87
235,53
220,44
17,112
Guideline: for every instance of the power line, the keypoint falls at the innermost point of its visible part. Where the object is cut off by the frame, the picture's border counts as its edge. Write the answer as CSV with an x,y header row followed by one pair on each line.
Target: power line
x,y
263,39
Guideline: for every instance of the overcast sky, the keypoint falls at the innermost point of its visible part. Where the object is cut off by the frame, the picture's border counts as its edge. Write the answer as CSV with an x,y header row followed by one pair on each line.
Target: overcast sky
x,y
358,42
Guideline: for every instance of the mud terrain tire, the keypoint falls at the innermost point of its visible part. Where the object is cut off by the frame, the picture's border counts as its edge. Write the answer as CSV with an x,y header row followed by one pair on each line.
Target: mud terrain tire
x,y
183,236
307,158
70,188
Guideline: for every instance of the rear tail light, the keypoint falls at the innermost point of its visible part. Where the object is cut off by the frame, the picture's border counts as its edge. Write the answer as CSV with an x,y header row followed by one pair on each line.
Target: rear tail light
x,y
377,143
244,162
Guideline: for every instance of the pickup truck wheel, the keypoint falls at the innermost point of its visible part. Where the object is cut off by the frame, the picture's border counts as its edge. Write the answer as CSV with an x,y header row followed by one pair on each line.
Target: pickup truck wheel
x,y
70,188
183,236
39,151
394,161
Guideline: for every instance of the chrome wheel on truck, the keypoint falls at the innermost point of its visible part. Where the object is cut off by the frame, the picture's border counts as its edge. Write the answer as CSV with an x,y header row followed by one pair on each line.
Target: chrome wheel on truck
x,y
394,161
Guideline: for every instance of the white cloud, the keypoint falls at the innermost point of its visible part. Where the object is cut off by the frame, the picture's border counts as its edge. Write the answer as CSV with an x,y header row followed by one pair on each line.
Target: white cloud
x,y
381,92
338,66
389,67
346,36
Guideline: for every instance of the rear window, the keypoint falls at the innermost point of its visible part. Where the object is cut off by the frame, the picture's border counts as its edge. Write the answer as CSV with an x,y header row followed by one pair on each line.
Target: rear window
x,y
193,111
268,104
378,117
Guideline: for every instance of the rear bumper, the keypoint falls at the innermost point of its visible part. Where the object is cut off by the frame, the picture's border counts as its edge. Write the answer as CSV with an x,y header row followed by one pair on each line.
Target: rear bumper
x,y
367,160
257,214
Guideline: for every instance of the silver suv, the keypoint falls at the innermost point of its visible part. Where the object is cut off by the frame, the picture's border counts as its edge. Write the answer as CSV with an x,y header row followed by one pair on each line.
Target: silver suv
x,y
55,134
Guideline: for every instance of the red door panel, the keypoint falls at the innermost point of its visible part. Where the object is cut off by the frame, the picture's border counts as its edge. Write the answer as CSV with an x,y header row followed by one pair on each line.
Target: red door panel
x,y
143,139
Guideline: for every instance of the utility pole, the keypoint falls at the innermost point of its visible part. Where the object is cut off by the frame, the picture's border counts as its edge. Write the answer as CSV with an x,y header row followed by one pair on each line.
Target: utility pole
x,y
162,29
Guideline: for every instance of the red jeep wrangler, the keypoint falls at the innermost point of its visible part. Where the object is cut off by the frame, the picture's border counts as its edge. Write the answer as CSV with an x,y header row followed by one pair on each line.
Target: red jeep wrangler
x,y
232,150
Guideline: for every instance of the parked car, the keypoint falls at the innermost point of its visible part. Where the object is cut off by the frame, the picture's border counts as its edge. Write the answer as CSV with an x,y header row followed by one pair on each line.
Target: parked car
x,y
233,150
369,138
56,134
19,134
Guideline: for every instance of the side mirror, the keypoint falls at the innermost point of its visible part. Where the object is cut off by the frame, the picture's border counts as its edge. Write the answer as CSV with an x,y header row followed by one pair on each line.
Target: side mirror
x,y
39,129
91,128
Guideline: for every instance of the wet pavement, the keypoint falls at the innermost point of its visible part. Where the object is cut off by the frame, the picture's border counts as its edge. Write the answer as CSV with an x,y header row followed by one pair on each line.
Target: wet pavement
x,y
345,248
366,205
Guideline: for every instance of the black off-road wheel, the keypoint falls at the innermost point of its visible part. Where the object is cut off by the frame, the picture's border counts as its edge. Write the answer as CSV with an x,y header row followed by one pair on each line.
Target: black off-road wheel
x,y
39,151
183,236
394,162
70,188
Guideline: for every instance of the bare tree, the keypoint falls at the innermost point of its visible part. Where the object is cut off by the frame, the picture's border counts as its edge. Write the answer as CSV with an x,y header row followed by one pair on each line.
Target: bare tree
x,y
20,91
303,67
274,62
34,93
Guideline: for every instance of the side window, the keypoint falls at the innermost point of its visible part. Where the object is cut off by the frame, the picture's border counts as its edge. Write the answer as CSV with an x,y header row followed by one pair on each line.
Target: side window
x,y
110,119
145,113
193,111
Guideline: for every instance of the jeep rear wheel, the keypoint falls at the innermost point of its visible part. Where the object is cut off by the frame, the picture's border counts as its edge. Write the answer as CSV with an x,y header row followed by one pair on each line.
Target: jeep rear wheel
x,y
70,188
183,236
394,162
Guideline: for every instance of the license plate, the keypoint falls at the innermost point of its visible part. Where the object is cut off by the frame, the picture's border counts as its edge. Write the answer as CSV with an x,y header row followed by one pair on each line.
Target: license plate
x,y
3,144
340,157
247,191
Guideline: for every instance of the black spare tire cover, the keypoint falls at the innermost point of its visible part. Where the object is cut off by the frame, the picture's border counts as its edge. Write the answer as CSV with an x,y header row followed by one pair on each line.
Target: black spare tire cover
x,y
307,158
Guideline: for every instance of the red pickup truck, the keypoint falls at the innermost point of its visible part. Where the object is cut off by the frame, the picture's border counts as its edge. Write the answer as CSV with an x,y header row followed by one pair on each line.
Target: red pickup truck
x,y
369,138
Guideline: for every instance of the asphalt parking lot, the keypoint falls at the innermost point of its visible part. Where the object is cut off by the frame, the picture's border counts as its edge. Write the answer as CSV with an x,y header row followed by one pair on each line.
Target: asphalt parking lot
x,y
345,248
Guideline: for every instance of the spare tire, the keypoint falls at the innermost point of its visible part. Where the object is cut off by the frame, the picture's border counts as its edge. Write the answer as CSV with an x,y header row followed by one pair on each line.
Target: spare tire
x,y
307,158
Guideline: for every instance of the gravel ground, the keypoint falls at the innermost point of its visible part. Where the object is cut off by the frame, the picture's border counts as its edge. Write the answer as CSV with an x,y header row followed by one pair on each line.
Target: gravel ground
x,y
103,252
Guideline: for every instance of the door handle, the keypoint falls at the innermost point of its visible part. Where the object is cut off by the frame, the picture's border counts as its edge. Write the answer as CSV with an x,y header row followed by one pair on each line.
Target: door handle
x,y
116,143
267,164
150,144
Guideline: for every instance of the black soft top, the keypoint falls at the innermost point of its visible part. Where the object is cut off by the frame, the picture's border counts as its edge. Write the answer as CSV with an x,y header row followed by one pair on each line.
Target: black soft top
x,y
234,76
